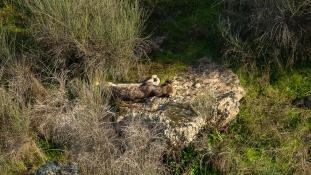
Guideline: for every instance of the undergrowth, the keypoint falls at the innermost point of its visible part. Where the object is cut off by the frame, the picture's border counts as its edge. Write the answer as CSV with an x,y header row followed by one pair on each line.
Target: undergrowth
x,y
270,135
54,99
56,57
86,35
271,33
190,29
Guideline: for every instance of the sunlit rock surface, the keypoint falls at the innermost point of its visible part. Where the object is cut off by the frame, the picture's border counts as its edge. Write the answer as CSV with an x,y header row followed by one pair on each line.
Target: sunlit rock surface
x,y
207,94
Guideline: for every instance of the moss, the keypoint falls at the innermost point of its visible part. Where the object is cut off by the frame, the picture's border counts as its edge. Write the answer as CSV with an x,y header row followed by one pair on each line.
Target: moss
x,y
167,71
52,151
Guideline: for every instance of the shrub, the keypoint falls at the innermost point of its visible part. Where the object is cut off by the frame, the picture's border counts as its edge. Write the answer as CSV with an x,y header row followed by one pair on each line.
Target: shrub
x,y
102,37
267,32
84,126
100,33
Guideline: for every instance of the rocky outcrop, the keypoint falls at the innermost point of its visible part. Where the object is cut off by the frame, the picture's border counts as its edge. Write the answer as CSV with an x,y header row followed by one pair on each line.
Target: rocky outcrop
x,y
207,94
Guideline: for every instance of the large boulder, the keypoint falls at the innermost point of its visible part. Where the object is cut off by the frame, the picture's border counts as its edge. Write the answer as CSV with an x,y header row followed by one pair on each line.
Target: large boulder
x,y
207,94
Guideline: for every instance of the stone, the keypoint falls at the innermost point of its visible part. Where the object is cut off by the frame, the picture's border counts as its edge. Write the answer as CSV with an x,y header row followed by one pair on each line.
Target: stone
x,y
207,94
56,168
197,85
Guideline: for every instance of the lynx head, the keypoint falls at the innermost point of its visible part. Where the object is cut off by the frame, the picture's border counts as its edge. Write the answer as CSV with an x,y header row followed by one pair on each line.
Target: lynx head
x,y
153,80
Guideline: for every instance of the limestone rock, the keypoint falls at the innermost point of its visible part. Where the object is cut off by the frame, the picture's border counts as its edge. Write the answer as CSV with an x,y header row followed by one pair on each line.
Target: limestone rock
x,y
208,94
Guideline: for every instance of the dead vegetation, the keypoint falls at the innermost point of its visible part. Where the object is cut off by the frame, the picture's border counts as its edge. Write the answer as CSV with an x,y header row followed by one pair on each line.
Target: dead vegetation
x,y
86,35
39,96
53,84
275,33
85,127
18,150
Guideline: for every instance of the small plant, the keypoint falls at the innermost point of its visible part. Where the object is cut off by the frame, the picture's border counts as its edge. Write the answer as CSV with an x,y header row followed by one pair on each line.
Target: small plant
x,y
204,106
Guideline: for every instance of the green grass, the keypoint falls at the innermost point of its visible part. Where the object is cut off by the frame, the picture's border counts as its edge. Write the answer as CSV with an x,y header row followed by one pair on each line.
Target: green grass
x,y
270,136
192,34
52,151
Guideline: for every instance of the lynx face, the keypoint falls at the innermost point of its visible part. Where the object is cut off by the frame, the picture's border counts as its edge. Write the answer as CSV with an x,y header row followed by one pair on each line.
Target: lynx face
x,y
154,80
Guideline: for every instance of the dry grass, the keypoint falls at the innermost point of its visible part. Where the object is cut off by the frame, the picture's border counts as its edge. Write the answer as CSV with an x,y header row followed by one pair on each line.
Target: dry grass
x,y
85,127
83,34
5,47
38,95
74,114
268,32
11,120
18,151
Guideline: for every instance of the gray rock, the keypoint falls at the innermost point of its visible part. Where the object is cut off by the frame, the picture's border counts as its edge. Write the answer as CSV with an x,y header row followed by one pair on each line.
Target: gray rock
x,y
55,168
208,94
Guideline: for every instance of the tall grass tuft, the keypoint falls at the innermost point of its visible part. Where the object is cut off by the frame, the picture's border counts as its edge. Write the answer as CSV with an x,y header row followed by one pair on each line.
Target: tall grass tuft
x,y
5,46
99,33
17,148
267,32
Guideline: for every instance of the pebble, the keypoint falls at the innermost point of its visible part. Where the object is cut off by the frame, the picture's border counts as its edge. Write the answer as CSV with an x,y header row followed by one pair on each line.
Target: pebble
x,y
197,85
